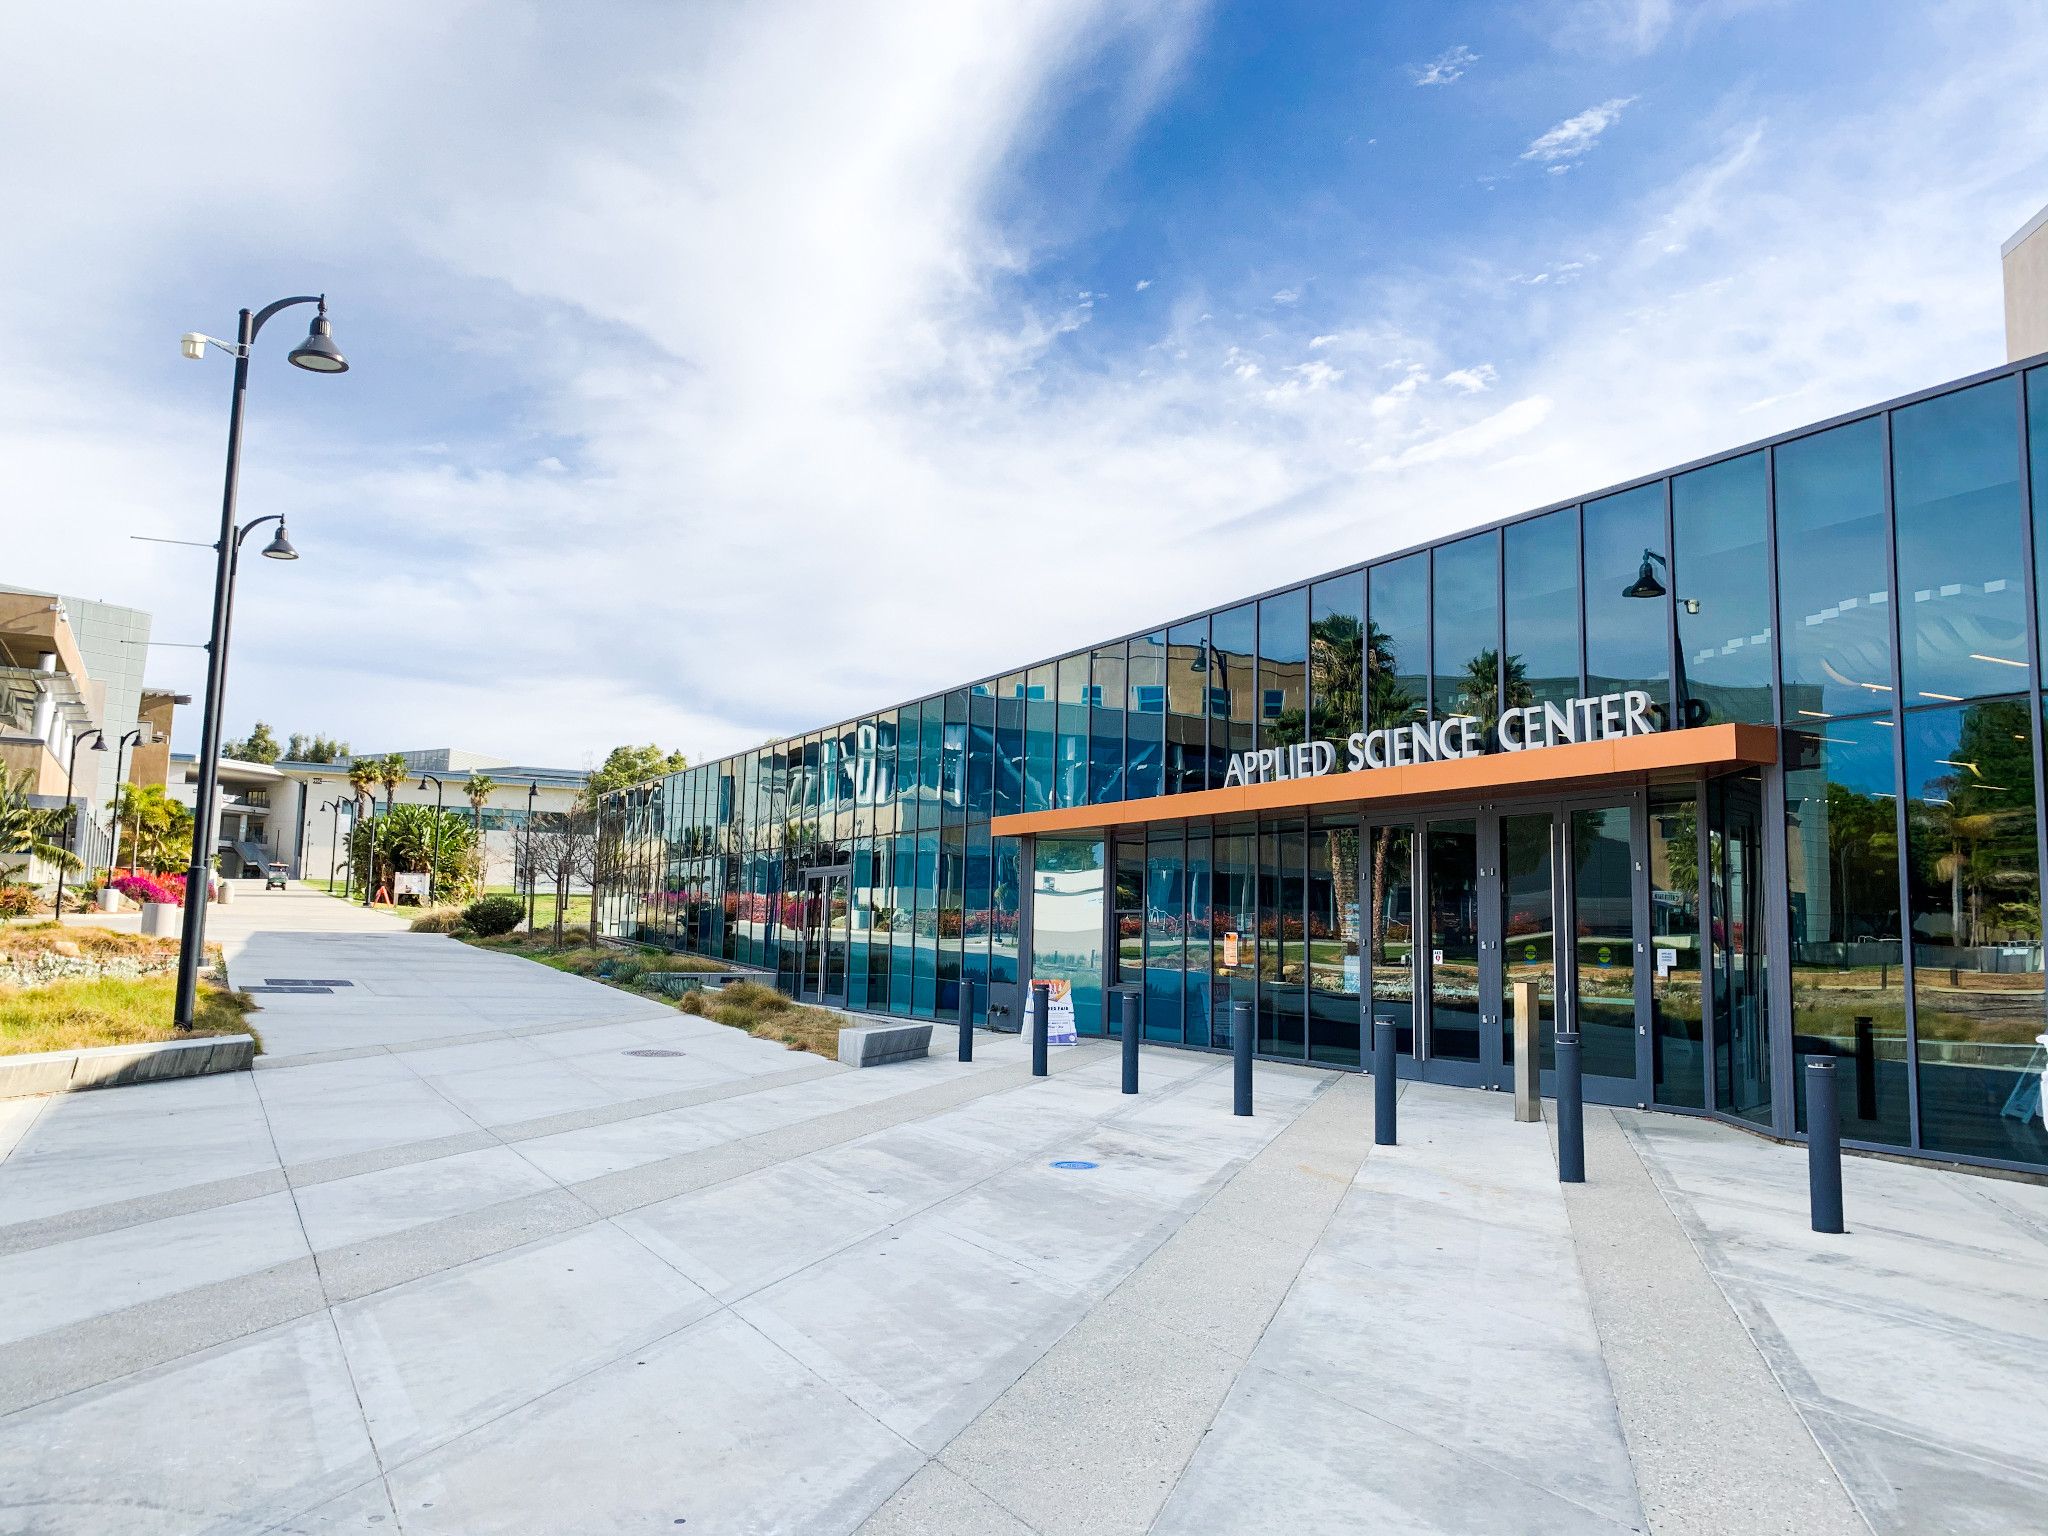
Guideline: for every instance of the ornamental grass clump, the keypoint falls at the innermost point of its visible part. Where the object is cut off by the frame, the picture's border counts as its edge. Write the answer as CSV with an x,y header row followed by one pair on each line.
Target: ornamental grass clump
x,y
767,1014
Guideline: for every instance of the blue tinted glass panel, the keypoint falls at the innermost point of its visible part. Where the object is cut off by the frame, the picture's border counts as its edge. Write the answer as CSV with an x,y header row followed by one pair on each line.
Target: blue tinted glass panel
x,y
2037,449
1397,641
1467,615
1232,685
1009,759
1962,544
1145,718
1067,923
1003,907
1106,725
1187,704
1841,854
1336,657
1834,582
981,754
1165,935
1721,525
1040,725
1283,669
1976,915
1628,642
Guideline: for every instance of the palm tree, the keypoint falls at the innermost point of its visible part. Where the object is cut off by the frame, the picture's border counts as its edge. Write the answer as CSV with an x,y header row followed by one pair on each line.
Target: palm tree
x,y
30,831
387,770
362,779
479,789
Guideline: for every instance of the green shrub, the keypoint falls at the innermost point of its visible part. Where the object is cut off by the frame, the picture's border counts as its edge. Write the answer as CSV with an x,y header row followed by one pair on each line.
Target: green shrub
x,y
438,920
493,915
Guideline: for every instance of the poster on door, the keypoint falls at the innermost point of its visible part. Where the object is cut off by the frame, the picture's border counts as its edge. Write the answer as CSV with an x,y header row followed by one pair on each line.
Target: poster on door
x,y
1059,1010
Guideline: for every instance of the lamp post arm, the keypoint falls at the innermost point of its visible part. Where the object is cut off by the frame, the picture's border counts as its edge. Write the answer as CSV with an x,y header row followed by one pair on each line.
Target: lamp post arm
x,y
268,310
253,524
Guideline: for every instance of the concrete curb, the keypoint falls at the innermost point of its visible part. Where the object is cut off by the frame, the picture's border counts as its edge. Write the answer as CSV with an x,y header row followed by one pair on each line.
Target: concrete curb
x,y
116,1066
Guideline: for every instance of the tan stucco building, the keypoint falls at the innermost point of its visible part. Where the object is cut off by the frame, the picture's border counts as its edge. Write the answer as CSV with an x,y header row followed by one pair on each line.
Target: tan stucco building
x,y
2025,260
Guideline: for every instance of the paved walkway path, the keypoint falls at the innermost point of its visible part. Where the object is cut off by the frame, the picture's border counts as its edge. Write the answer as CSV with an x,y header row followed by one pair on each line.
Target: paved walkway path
x,y
485,1247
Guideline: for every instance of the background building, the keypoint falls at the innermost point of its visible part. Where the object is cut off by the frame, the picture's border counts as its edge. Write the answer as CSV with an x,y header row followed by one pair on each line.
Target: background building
x,y
313,842
2024,259
1830,843
70,666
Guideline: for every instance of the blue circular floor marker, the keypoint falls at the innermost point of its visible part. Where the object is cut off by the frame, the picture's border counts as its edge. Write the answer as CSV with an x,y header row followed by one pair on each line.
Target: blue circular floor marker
x,y
1071,1162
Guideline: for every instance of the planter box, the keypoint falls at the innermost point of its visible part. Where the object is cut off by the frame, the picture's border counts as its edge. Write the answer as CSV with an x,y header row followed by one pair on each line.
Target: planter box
x,y
111,901
162,919
114,1066
879,1045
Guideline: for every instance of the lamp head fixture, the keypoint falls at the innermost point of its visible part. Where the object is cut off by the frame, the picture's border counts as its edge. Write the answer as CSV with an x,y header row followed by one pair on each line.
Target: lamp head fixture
x,y
279,547
318,353
1646,583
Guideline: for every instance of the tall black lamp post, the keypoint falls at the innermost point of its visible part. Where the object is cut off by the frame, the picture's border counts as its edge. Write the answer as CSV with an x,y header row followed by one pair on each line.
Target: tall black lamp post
x,y
99,744
434,859
317,354
120,783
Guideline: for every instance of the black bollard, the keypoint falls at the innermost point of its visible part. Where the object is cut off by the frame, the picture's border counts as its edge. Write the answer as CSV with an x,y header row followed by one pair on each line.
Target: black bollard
x,y
1385,1082
1571,1110
1241,1057
1131,1029
1823,1144
967,1021
1041,1010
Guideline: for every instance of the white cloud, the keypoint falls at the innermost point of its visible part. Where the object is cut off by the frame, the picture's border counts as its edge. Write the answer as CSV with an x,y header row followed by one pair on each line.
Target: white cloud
x,y
1561,145
1445,67
755,295
1287,296
1141,285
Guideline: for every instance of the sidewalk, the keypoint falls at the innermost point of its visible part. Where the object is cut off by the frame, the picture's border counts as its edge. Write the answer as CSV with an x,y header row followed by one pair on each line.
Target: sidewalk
x,y
482,1246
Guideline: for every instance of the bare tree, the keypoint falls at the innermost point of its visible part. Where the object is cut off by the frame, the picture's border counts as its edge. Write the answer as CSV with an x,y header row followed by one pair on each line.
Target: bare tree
x,y
558,850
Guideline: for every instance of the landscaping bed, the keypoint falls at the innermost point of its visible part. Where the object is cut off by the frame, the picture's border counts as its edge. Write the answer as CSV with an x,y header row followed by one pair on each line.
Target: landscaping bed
x,y
73,988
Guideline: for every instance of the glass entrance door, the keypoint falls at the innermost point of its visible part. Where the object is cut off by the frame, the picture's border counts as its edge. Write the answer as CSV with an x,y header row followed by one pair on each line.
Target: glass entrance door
x,y
825,928
1463,907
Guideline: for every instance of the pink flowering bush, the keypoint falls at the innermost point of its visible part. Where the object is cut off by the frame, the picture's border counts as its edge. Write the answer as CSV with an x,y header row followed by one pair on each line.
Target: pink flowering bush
x,y
139,887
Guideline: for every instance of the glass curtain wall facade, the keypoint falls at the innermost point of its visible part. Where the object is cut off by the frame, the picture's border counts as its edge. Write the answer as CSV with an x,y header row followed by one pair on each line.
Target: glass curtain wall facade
x,y
1870,587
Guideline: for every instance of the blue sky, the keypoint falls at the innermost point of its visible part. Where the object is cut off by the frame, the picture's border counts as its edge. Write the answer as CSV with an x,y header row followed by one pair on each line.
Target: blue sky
x,y
727,369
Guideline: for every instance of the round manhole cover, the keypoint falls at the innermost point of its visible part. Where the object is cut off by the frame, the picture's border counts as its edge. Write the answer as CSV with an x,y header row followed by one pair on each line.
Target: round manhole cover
x,y
654,1051
1072,1162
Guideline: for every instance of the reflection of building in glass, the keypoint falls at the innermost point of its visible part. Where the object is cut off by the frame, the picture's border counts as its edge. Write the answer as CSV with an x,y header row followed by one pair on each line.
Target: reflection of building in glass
x,y
1829,845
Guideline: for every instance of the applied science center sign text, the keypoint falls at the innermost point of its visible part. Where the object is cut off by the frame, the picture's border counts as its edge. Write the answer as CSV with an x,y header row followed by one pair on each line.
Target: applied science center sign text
x,y
1607,717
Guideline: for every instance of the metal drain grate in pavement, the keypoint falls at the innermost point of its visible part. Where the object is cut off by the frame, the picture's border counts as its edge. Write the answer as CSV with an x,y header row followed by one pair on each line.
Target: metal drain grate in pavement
x,y
654,1051
292,981
297,989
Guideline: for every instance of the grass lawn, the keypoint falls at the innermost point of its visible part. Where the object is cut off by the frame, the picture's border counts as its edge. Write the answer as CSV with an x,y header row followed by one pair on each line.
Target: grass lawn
x,y
110,1010
576,915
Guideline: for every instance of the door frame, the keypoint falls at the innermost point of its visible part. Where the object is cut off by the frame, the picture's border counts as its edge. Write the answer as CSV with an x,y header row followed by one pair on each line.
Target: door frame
x,y
1492,1070
814,940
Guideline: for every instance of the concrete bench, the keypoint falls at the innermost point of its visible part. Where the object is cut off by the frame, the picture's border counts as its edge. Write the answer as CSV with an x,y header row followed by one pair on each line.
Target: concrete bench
x,y
880,1044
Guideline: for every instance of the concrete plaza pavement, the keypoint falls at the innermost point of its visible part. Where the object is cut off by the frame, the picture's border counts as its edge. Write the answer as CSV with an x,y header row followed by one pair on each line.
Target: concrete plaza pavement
x,y
483,1247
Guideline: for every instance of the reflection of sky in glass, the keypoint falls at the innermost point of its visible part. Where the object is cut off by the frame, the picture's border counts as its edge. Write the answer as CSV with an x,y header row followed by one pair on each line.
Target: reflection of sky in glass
x,y
1542,581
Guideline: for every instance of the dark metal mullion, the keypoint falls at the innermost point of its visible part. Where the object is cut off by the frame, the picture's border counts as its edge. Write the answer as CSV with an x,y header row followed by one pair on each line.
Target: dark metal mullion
x,y
1901,821
1674,663
1429,635
1579,575
2023,386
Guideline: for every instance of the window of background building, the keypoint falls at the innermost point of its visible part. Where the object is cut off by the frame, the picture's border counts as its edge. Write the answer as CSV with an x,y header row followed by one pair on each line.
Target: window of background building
x,y
1466,616
1842,868
1975,888
1720,524
1397,641
1283,669
1336,657
1628,643
1834,581
1962,545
